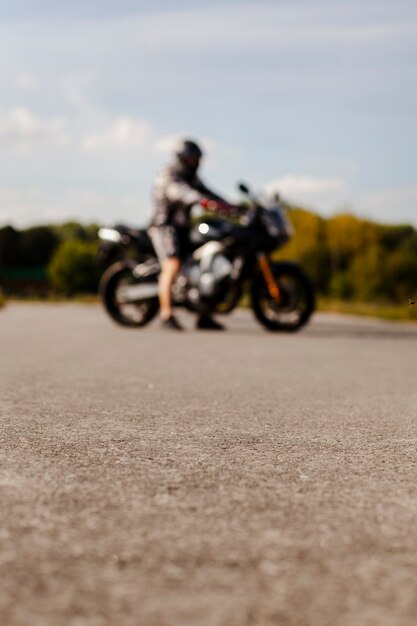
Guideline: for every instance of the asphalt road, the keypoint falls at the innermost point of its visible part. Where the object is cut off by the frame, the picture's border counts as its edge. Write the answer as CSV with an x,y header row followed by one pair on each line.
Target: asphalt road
x,y
245,478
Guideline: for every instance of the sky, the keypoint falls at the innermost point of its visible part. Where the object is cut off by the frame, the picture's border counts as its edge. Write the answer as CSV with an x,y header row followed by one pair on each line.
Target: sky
x,y
314,98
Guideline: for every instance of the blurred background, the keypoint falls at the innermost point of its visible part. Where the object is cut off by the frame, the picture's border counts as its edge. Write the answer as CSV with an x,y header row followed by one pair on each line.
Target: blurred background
x,y
315,99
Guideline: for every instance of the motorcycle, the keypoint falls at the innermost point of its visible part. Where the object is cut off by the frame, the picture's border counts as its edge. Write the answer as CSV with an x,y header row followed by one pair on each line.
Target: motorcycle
x,y
227,259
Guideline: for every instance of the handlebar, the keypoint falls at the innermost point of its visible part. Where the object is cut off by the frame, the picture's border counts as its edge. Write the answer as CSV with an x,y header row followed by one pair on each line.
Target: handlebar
x,y
219,206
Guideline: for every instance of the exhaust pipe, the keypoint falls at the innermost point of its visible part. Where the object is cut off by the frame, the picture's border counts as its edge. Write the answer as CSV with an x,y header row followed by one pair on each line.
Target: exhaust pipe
x,y
135,293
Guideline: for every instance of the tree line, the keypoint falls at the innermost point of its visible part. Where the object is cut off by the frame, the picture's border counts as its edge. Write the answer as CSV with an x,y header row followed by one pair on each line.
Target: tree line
x,y
353,258
347,257
49,259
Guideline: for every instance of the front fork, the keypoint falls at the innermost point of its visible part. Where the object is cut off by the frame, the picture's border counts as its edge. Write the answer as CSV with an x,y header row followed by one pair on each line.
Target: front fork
x,y
270,281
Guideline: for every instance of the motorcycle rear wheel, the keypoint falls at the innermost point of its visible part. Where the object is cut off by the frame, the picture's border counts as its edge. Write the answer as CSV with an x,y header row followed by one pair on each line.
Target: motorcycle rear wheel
x,y
296,303
134,314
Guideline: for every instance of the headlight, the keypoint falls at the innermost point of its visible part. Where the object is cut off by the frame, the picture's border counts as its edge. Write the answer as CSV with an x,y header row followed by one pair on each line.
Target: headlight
x,y
109,234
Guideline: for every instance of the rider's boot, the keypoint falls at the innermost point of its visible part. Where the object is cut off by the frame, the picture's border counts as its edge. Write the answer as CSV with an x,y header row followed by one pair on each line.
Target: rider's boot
x,y
171,323
206,322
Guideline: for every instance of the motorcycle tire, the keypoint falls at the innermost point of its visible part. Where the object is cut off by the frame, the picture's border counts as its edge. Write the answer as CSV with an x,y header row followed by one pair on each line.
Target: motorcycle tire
x,y
133,314
297,299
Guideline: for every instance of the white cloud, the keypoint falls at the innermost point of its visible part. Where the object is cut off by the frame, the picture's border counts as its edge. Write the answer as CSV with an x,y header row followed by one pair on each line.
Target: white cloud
x,y
158,43
166,144
90,145
259,26
20,127
329,195
27,82
295,84
74,88
323,194
23,207
124,132
392,205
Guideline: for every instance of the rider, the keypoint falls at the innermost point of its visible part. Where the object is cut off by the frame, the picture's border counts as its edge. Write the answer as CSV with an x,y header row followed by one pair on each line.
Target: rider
x,y
177,188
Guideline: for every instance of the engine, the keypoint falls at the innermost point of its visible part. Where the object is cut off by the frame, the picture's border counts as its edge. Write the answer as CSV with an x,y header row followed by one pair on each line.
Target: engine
x,y
202,276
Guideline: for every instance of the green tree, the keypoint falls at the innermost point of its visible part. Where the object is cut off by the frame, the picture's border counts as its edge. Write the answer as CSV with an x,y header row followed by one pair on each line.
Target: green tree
x,y
75,230
309,246
73,267
37,246
341,286
368,273
348,235
9,246
394,237
402,274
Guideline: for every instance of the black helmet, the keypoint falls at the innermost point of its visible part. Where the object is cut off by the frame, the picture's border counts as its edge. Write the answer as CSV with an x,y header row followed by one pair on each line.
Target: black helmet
x,y
188,149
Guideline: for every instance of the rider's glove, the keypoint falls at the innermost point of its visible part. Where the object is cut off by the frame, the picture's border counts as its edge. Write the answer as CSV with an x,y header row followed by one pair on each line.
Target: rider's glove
x,y
210,205
217,205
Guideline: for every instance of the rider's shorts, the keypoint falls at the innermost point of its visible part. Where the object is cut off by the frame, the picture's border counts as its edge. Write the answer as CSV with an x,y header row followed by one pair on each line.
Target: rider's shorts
x,y
169,241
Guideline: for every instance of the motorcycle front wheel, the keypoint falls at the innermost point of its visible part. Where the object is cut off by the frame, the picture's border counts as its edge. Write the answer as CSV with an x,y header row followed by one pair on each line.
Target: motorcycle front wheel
x,y
296,301
130,301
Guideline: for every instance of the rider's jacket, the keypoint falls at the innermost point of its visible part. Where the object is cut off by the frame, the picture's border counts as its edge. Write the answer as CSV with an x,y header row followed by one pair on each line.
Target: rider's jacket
x,y
176,190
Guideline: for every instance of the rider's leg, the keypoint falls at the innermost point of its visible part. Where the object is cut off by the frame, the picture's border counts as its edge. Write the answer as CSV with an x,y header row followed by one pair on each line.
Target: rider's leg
x,y
170,268
166,243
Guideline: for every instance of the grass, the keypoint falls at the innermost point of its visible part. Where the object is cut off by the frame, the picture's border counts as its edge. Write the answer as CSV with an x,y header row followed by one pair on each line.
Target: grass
x,y
83,298
383,310
2,299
